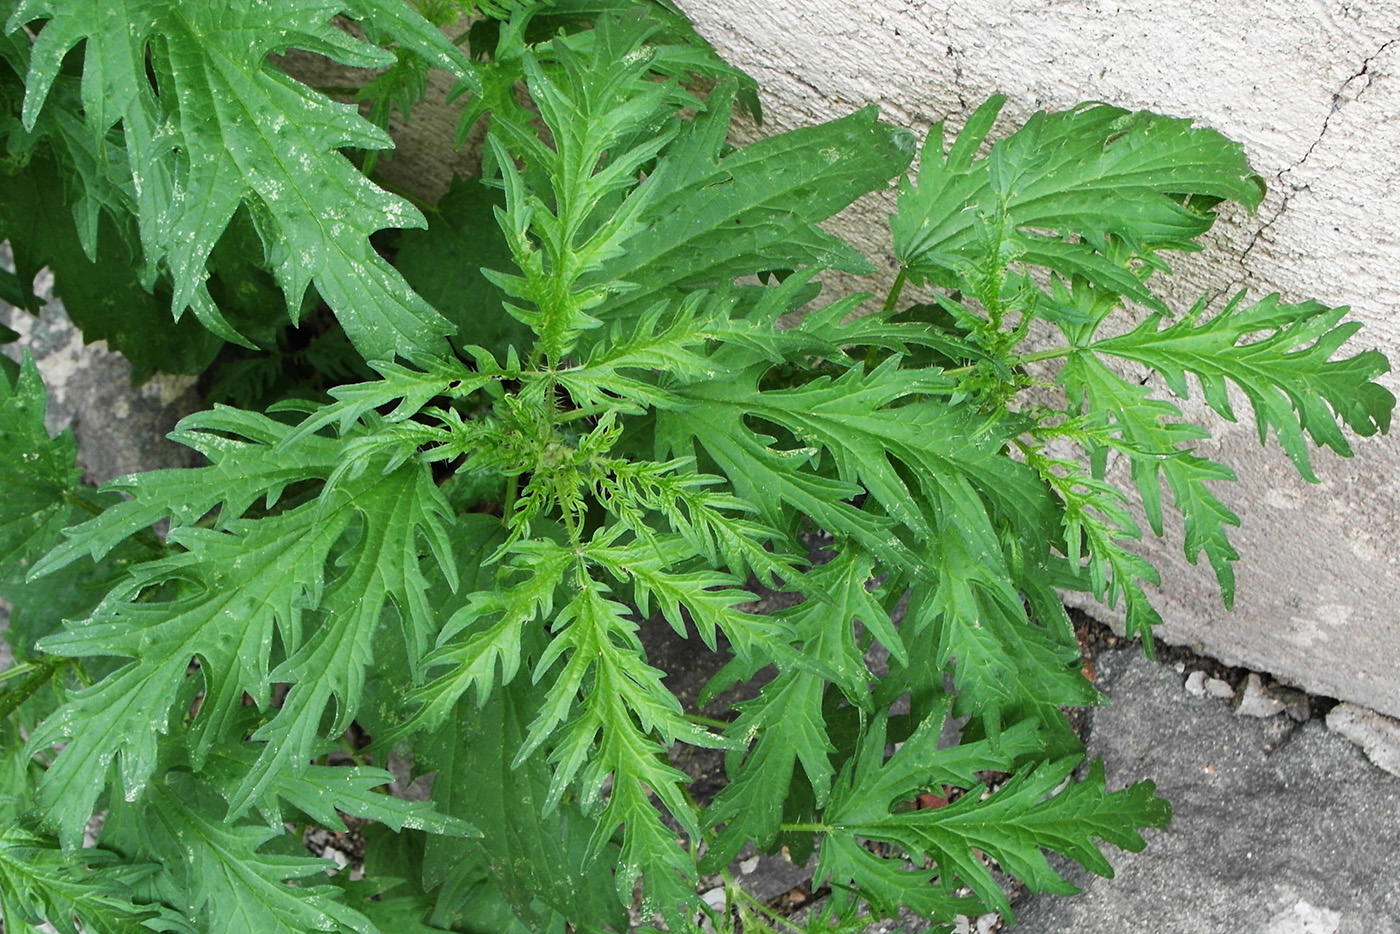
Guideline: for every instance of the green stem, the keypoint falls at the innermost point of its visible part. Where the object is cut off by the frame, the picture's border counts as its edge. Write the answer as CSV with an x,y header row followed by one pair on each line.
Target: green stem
x,y
806,828
708,721
1054,354
898,287
82,502
1036,357
512,488
43,670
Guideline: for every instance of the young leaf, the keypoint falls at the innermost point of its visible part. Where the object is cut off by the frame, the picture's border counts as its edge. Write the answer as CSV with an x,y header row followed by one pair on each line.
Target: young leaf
x,y
232,590
607,118
624,709
787,725
1088,174
244,467
406,388
393,512
772,479
711,219
324,793
870,787
266,569
709,600
619,371
1096,521
969,611
496,622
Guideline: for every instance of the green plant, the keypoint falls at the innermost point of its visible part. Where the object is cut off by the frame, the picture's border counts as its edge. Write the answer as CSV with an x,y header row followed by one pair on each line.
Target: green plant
x,y
611,426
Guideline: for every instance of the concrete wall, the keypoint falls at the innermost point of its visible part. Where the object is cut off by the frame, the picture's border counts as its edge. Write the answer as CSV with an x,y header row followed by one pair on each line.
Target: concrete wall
x,y
1310,88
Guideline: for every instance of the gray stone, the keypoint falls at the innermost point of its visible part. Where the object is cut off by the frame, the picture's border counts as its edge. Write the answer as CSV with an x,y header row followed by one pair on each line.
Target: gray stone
x,y
1262,825
1378,735
1196,684
1256,701
1295,703
404,784
120,428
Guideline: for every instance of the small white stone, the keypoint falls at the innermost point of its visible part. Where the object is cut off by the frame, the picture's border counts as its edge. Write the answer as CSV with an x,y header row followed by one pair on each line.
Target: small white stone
x,y
749,865
1196,684
983,924
1256,701
340,859
1304,918
716,900
1219,689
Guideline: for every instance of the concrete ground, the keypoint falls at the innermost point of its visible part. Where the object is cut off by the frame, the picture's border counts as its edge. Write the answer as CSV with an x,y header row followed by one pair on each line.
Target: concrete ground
x,y
1279,827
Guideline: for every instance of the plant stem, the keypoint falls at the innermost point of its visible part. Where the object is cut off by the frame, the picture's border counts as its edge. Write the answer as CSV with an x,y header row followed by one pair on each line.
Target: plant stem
x,y
1053,354
508,507
895,289
708,721
806,828
1036,357
42,671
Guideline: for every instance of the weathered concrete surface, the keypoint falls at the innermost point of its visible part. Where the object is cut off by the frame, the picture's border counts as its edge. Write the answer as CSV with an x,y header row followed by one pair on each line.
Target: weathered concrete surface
x,y
120,428
1278,827
1309,87
1379,736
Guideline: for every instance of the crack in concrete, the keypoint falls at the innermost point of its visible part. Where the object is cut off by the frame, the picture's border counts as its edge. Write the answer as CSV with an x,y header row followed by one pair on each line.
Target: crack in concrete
x,y
1339,100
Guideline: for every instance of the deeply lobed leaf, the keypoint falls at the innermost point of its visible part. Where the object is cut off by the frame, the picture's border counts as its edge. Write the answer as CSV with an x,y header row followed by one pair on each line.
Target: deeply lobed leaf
x,y
1088,175
1281,356
245,134
1032,812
